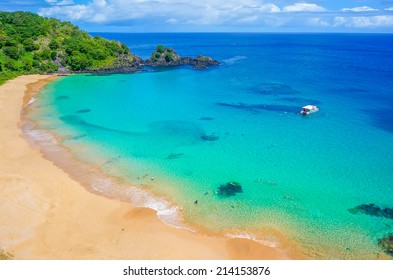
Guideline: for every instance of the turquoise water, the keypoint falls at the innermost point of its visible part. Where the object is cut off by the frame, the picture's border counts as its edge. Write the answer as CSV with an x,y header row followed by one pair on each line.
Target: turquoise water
x,y
299,175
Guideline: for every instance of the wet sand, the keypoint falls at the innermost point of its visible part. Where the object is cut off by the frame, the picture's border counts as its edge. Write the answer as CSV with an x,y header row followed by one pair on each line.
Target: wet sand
x,y
44,214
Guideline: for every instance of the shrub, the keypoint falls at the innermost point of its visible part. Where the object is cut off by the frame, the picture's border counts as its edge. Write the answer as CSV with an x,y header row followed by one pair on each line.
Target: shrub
x,y
160,49
12,51
168,57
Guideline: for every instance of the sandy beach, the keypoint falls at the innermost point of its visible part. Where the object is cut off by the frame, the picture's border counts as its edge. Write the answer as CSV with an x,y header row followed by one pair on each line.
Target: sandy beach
x,y
47,215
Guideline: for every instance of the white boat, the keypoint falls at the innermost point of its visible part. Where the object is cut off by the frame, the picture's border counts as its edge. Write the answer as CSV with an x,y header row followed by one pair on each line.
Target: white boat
x,y
309,109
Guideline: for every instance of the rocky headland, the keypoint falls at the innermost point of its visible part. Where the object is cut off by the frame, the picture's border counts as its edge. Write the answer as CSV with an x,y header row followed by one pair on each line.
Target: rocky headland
x,y
31,44
163,57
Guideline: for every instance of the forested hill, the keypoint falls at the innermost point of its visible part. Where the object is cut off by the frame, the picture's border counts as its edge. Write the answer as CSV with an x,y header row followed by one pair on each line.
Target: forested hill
x,y
33,44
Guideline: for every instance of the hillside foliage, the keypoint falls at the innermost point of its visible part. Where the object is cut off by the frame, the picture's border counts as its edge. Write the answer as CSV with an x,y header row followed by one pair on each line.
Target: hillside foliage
x,y
33,44
165,55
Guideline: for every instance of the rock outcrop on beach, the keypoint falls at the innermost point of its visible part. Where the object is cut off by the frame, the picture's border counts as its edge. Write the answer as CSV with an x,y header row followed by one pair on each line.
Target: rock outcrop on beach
x,y
163,57
5,255
121,65
387,244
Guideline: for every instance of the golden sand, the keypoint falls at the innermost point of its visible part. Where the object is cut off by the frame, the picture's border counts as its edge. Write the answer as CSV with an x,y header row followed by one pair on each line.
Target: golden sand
x,y
44,214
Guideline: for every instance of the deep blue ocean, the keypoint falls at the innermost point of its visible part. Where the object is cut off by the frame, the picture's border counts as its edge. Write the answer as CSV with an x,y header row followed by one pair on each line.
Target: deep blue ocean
x,y
301,177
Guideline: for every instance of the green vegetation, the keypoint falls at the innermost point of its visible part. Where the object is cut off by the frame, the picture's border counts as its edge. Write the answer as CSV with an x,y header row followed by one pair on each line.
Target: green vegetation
x,y
32,44
163,54
202,58
168,57
160,49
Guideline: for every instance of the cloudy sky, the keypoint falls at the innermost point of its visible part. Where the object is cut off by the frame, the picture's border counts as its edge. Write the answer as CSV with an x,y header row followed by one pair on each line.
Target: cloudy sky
x,y
216,15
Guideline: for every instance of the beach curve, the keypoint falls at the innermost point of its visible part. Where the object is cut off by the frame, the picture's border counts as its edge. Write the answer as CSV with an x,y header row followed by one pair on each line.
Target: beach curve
x,y
48,215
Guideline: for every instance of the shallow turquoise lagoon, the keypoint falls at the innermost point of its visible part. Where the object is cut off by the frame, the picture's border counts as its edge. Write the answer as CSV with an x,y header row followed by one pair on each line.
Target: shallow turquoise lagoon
x,y
181,133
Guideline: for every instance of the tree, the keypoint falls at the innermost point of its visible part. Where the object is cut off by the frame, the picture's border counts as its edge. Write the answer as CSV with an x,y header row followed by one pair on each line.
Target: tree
x,y
168,57
160,49
12,51
30,44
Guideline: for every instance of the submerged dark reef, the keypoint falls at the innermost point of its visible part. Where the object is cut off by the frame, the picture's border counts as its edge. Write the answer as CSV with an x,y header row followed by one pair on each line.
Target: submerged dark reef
x,y
372,210
274,89
229,189
259,107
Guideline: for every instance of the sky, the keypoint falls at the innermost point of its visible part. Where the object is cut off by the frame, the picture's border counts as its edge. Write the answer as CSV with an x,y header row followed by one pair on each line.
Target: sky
x,y
215,15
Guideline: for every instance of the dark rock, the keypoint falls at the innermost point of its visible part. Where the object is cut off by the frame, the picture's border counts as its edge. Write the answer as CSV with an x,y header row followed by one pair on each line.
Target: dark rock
x,y
387,244
210,137
260,107
200,62
274,89
62,97
83,111
229,189
130,63
206,119
372,210
163,57
299,101
5,255
174,155
122,65
388,213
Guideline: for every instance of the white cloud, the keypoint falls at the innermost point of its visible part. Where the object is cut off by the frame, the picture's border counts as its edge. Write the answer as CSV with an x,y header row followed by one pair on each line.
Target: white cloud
x,y
172,21
202,12
303,7
389,9
318,22
184,11
60,2
269,8
249,19
359,9
364,22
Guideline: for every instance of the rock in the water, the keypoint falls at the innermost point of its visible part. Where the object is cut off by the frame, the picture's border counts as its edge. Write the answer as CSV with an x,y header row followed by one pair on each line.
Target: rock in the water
x,y
62,97
372,210
201,62
387,244
83,111
229,189
206,118
174,155
209,137
163,56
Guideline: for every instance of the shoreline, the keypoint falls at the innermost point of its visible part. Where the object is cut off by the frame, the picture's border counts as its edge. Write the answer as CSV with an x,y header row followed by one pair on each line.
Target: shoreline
x,y
46,214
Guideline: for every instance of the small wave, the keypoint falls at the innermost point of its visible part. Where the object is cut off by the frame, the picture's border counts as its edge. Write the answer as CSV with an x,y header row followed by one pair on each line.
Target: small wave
x,y
234,59
31,101
99,183
166,212
247,235
40,136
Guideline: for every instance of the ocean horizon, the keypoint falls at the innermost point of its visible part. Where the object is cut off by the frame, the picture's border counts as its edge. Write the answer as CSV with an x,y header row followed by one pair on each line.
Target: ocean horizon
x,y
225,149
